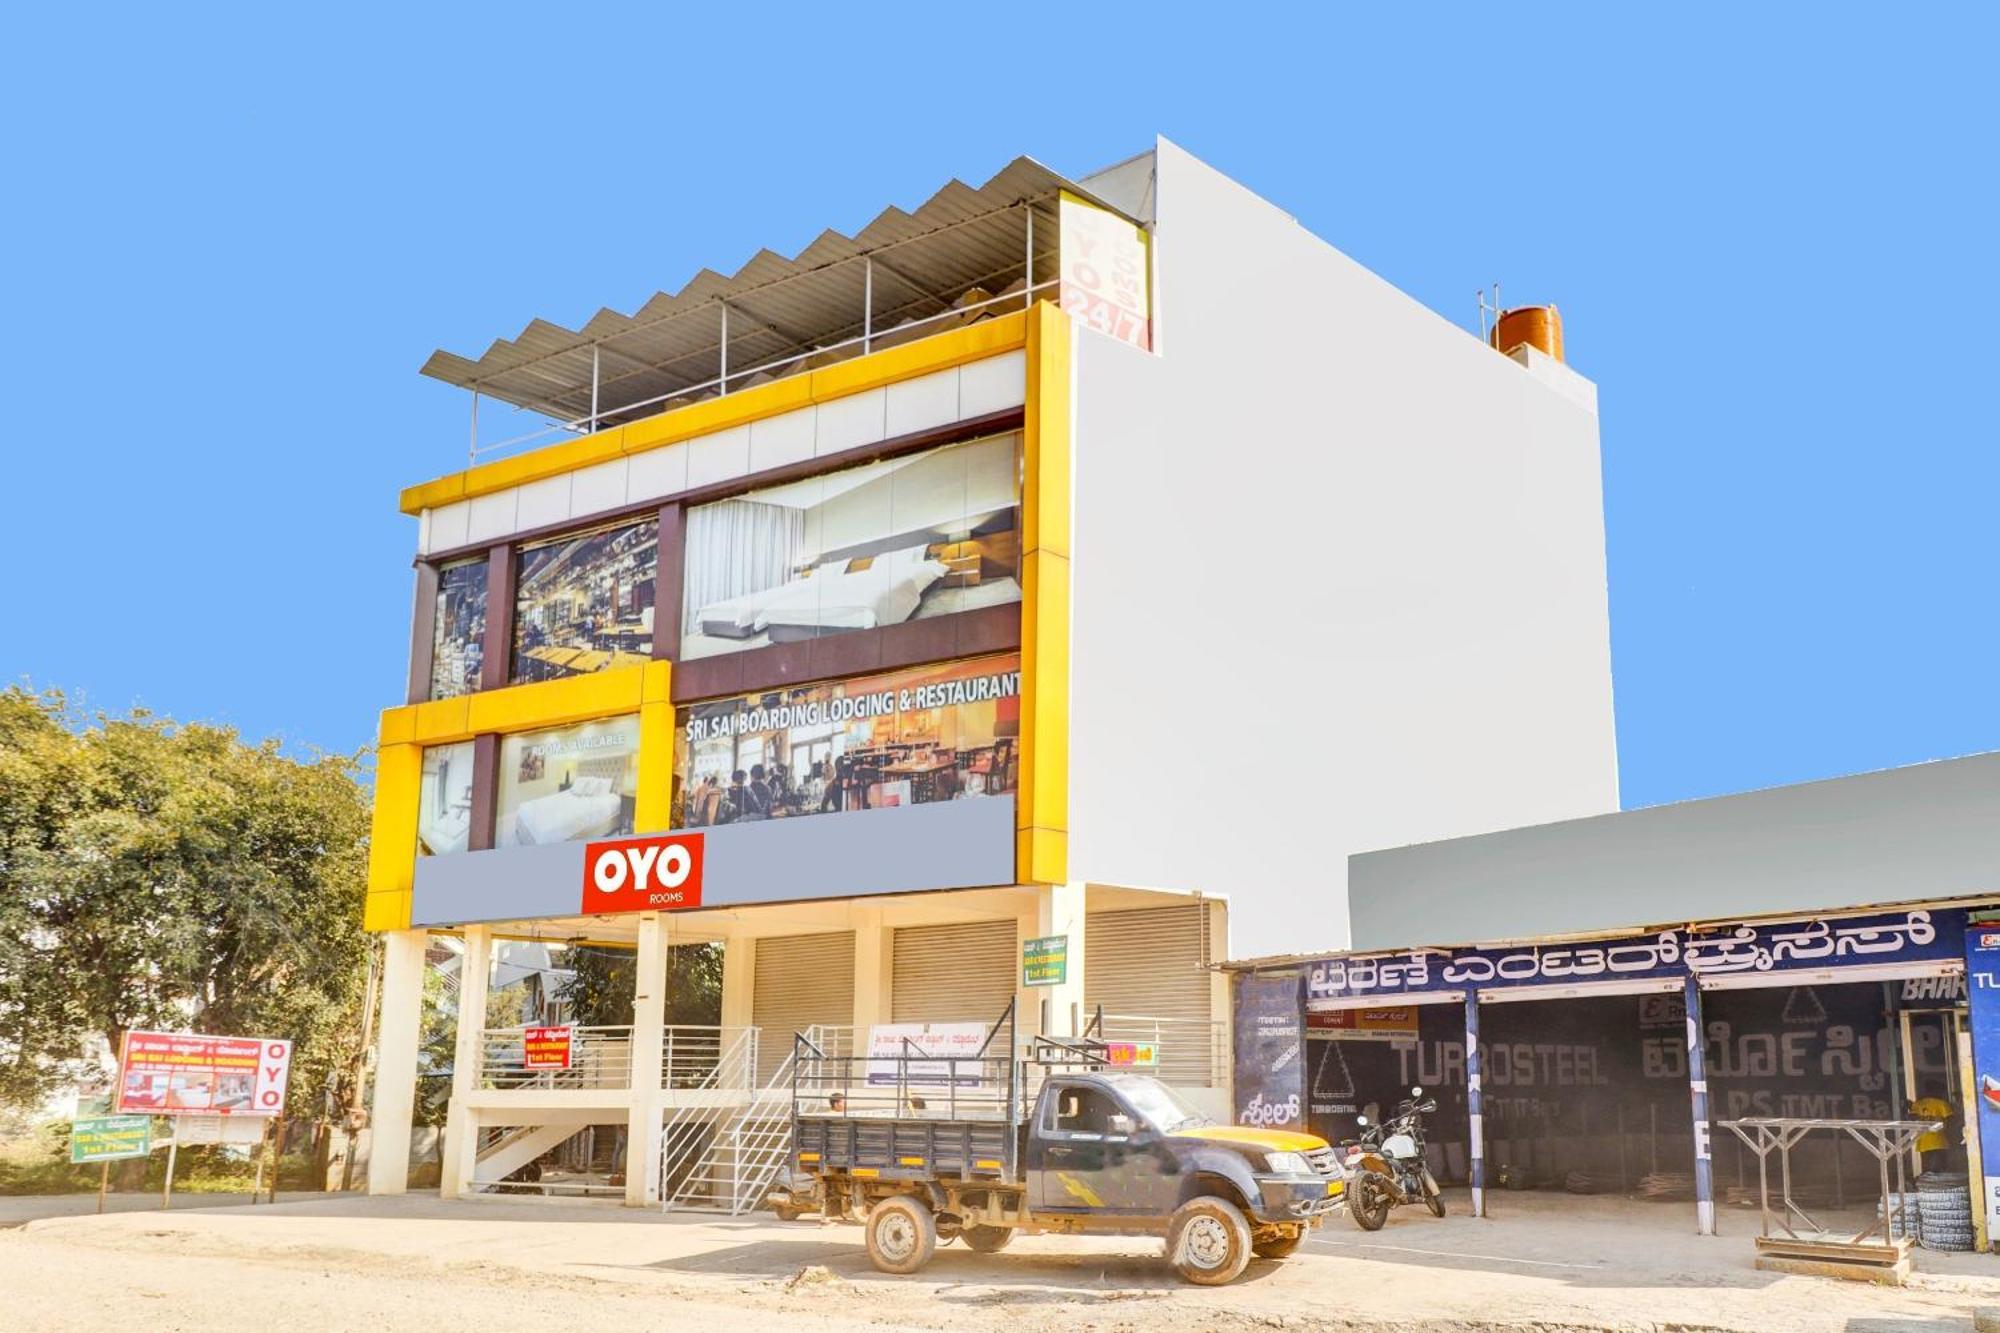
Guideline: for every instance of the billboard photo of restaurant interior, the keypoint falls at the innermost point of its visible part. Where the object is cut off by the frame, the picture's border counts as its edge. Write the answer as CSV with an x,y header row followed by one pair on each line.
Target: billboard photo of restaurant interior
x,y
584,602
939,733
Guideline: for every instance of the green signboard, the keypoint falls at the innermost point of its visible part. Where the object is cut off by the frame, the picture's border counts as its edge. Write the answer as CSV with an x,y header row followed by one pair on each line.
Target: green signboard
x,y
109,1138
1045,962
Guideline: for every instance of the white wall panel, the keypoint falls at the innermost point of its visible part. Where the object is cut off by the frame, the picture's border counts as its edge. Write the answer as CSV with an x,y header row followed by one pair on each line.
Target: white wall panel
x,y
992,385
719,457
657,473
493,516
1382,541
924,402
543,502
448,526
782,439
848,423
596,489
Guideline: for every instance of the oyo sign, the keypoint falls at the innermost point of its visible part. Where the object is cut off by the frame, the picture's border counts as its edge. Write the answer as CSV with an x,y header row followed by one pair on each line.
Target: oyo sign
x,y
661,874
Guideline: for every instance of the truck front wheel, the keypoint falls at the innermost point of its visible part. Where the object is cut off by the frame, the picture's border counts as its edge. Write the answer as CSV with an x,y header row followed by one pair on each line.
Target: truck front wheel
x,y
902,1234
1208,1241
988,1240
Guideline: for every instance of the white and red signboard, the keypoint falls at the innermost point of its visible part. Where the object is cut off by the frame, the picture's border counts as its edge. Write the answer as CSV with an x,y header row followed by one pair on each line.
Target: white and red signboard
x,y
185,1073
659,874
894,1048
547,1047
1106,283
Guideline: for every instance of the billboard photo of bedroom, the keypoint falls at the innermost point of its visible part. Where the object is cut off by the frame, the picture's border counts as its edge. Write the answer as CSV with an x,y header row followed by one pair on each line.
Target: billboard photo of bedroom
x,y
938,733
567,784
907,538
584,602
444,800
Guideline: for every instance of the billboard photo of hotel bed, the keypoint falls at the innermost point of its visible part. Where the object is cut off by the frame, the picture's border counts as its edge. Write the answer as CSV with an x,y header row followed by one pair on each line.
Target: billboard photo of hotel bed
x,y
939,733
878,544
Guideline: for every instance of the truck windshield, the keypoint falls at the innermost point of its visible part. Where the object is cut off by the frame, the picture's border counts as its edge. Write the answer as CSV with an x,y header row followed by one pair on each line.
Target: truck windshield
x,y
1158,1104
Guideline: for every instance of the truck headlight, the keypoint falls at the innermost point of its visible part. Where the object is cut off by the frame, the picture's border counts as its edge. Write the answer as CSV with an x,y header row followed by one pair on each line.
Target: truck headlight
x,y
1288,1164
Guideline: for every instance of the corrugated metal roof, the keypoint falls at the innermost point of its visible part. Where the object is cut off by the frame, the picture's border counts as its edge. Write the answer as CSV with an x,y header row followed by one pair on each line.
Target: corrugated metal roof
x,y
961,238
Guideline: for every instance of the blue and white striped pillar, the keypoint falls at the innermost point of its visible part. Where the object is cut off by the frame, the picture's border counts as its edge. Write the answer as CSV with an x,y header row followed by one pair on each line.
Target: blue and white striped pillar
x,y
1474,1115
1704,1173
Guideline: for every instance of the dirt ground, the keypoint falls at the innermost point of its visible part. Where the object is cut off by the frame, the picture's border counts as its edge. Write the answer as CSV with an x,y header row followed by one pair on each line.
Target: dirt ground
x,y
1551,1264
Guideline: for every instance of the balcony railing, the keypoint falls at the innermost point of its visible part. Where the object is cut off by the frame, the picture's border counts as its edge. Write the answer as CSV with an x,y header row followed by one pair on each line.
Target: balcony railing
x,y
703,1057
600,1057
969,309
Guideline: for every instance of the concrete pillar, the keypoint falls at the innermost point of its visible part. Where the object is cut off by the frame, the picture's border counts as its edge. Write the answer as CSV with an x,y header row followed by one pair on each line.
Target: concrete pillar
x,y
1475,1103
874,973
1053,1010
461,1126
1697,1062
649,1020
395,1101
739,974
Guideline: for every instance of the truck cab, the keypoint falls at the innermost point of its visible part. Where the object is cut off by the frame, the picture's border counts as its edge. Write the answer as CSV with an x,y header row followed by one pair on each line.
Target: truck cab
x,y
1112,1144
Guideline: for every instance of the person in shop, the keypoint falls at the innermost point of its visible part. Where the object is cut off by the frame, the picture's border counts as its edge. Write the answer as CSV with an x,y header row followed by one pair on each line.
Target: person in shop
x,y
781,790
735,800
757,795
1939,1149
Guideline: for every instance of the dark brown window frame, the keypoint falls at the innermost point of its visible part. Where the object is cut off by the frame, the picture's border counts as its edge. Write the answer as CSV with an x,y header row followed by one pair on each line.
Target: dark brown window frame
x,y
992,629
877,649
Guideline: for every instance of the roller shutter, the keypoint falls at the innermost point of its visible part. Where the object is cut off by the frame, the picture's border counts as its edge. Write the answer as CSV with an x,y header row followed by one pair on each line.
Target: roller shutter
x,y
960,973
800,981
1150,964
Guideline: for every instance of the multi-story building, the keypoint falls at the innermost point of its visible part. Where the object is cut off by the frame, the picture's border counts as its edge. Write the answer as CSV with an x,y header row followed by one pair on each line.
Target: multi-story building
x,y
1031,598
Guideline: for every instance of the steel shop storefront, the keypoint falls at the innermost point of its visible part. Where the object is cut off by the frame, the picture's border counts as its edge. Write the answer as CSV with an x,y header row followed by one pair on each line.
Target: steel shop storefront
x,y
1602,1065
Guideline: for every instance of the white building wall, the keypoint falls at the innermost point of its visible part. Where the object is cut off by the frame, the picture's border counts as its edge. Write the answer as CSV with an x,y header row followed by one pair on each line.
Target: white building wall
x,y
1338,579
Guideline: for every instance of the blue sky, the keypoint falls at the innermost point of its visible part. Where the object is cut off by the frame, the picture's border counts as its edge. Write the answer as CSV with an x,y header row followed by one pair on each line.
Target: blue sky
x,y
233,239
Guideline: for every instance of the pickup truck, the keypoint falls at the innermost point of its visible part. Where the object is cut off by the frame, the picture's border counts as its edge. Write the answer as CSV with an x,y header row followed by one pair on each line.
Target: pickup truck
x,y
925,1149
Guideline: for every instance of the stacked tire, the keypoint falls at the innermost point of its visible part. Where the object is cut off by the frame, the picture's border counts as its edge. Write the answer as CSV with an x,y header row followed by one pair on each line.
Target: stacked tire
x,y
1902,1213
1944,1216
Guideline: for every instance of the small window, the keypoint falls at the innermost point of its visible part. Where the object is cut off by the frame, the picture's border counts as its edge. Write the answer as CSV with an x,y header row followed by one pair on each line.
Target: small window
x,y
458,629
1083,1110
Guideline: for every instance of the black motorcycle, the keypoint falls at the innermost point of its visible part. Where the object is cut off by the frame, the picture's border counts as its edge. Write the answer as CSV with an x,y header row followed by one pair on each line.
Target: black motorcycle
x,y
1386,1165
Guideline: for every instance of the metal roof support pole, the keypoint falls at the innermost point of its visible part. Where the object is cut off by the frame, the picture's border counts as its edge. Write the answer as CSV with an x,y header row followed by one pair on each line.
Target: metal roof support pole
x,y
867,302
472,454
595,348
1028,271
723,348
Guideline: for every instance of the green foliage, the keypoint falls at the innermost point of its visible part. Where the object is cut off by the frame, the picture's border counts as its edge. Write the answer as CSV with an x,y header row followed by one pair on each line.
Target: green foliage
x,y
154,874
601,984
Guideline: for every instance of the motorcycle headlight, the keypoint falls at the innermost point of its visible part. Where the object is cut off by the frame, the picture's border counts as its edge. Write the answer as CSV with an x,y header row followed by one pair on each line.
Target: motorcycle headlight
x,y
1288,1164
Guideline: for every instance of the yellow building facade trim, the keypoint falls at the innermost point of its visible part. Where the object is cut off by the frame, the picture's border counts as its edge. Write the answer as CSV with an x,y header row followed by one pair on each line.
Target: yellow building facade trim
x,y
940,351
1041,811
1042,800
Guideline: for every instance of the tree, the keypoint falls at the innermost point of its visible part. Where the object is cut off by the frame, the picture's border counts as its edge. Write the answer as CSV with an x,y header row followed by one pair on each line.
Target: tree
x,y
601,984
155,874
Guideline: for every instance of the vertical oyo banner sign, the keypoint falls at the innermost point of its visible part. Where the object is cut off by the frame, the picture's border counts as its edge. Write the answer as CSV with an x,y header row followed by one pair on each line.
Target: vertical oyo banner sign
x,y
1269,1075
1982,993
1106,277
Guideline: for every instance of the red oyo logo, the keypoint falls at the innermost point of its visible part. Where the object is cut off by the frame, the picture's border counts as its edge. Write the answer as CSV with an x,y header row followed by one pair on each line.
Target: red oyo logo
x,y
660,874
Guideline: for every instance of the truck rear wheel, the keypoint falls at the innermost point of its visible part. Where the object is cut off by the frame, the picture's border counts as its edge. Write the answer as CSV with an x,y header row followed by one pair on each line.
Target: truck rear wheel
x,y
988,1240
902,1234
1208,1241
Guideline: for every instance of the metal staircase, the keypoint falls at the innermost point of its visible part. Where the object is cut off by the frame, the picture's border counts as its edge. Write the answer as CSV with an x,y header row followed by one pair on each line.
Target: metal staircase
x,y
725,1158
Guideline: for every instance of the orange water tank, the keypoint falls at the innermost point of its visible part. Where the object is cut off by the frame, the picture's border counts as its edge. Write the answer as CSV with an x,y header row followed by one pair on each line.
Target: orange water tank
x,y
1539,326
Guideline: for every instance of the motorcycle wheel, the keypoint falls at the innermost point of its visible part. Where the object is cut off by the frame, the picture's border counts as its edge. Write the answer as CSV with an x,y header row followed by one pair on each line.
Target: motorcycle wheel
x,y
1433,1196
1368,1201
